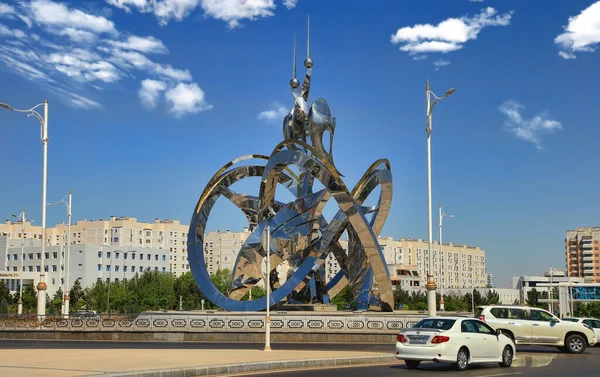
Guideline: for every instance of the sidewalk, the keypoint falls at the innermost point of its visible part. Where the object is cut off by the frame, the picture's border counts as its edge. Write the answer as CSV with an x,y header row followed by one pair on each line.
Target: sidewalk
x,y
85,362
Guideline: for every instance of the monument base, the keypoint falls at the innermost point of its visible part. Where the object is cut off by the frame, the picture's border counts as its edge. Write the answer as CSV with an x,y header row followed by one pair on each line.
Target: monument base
x,y
308,308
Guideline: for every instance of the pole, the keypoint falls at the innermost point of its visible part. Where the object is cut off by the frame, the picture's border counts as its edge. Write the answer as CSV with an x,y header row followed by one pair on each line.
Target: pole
x,y
68,258
440,279
42,287
430,286
551,292
109,281
473,301
60,273
268,318
20,301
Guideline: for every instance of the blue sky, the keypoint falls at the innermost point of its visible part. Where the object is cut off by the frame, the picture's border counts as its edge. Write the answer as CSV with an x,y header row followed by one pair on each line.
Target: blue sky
x,y
149,98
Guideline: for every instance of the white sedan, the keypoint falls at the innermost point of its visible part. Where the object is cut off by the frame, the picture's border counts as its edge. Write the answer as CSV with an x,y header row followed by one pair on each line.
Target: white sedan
x,y
591,323
456,340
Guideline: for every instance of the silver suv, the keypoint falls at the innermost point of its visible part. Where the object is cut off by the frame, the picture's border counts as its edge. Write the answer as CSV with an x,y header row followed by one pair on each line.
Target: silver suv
x,y
535,326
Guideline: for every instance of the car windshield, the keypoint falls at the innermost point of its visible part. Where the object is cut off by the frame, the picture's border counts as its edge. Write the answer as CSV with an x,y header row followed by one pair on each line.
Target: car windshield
x,y
435,323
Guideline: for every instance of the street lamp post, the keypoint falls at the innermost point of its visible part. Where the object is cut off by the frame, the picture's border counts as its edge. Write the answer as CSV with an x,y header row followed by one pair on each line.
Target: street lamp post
x,y
21,218
42,287
68,204
551,295
442,215
431,286
267,246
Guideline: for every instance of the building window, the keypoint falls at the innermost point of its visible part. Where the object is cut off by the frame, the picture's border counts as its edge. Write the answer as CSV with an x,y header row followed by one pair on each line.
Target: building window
x,y
133,256
149,256
108,267
125,256
164,269
132,268
155,269
164,258
54,268
116,268
125,267
141,269
156,256
116,255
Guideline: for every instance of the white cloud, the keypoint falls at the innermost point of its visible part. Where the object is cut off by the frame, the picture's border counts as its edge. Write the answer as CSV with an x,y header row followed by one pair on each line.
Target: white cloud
x,y
58,16
289,4
440,63
150,92
84,65
142,44
582,34
567,55
528,129
77,35
134,59
11,32
419,57
230,11
83,102
274,114
186,99
6,11
449,35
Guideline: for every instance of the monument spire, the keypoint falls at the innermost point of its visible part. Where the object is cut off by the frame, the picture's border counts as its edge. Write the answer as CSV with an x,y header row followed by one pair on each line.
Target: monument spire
x,y
294,83
308,63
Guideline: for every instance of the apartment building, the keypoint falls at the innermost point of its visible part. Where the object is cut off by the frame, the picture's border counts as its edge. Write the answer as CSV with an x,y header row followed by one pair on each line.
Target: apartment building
x,y
88,263
582,254
122,232
222,247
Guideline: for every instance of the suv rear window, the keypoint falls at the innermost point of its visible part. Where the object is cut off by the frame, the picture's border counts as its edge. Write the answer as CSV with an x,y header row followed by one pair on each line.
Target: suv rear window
x,y
478,312
500,312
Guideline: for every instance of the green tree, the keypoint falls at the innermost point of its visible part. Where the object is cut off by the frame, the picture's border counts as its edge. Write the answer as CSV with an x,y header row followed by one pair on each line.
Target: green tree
x,y
56,301
533,298
492,297
5,293
222,280
3,306
76,295
186,288
29,298
344,299
401,297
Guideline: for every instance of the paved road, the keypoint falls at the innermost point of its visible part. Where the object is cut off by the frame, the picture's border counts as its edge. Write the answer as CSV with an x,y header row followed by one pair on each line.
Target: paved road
x,y
531,362
74,344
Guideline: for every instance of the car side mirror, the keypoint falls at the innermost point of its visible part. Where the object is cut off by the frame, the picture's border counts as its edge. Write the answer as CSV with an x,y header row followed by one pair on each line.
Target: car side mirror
x,y
555,320
498,332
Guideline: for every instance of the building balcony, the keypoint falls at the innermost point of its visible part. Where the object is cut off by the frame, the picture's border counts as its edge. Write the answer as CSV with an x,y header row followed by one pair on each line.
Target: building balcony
x,y
587,252
588,265
586,245
588,273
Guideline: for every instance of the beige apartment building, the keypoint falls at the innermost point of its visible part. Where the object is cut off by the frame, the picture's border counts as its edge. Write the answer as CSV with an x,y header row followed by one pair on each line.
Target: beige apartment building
x,y
221,249
458,266
116,232
582,254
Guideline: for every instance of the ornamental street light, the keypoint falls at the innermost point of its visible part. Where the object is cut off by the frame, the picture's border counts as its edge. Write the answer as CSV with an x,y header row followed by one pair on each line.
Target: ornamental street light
x,y
267,248
42,287
67,202
442,279
431,286
22,218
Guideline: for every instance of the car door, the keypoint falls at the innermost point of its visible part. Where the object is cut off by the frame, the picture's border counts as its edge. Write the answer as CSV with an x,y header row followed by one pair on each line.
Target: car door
x,y
546,327
518,323
489,341
473,339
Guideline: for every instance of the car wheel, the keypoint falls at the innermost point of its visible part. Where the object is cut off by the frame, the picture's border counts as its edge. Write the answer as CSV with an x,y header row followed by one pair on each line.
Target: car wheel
x,y
507,357
575,343
462,360
412,364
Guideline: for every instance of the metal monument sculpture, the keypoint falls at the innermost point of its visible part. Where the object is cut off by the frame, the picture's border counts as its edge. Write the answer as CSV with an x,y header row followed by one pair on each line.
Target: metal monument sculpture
x,y
301,237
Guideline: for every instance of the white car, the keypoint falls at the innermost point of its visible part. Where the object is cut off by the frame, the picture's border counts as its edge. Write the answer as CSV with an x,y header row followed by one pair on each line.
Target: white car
x,y
534,326
592,323
459,341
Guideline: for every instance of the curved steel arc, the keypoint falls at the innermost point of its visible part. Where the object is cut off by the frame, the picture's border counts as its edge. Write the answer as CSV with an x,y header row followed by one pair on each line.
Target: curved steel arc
x,y
331,181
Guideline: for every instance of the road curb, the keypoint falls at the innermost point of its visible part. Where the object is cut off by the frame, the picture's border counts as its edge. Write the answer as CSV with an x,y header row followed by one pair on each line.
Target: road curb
x,y
260,366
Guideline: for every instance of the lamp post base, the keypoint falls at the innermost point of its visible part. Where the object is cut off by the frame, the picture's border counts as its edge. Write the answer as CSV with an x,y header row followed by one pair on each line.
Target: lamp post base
x,y
442,308
19,307
431,304
66,311
41,300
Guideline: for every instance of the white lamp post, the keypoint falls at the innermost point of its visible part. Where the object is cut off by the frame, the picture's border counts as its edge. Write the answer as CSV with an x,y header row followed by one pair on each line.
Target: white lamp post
x,y
22,219
42,287
68,204
442,215
431,286
267,246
